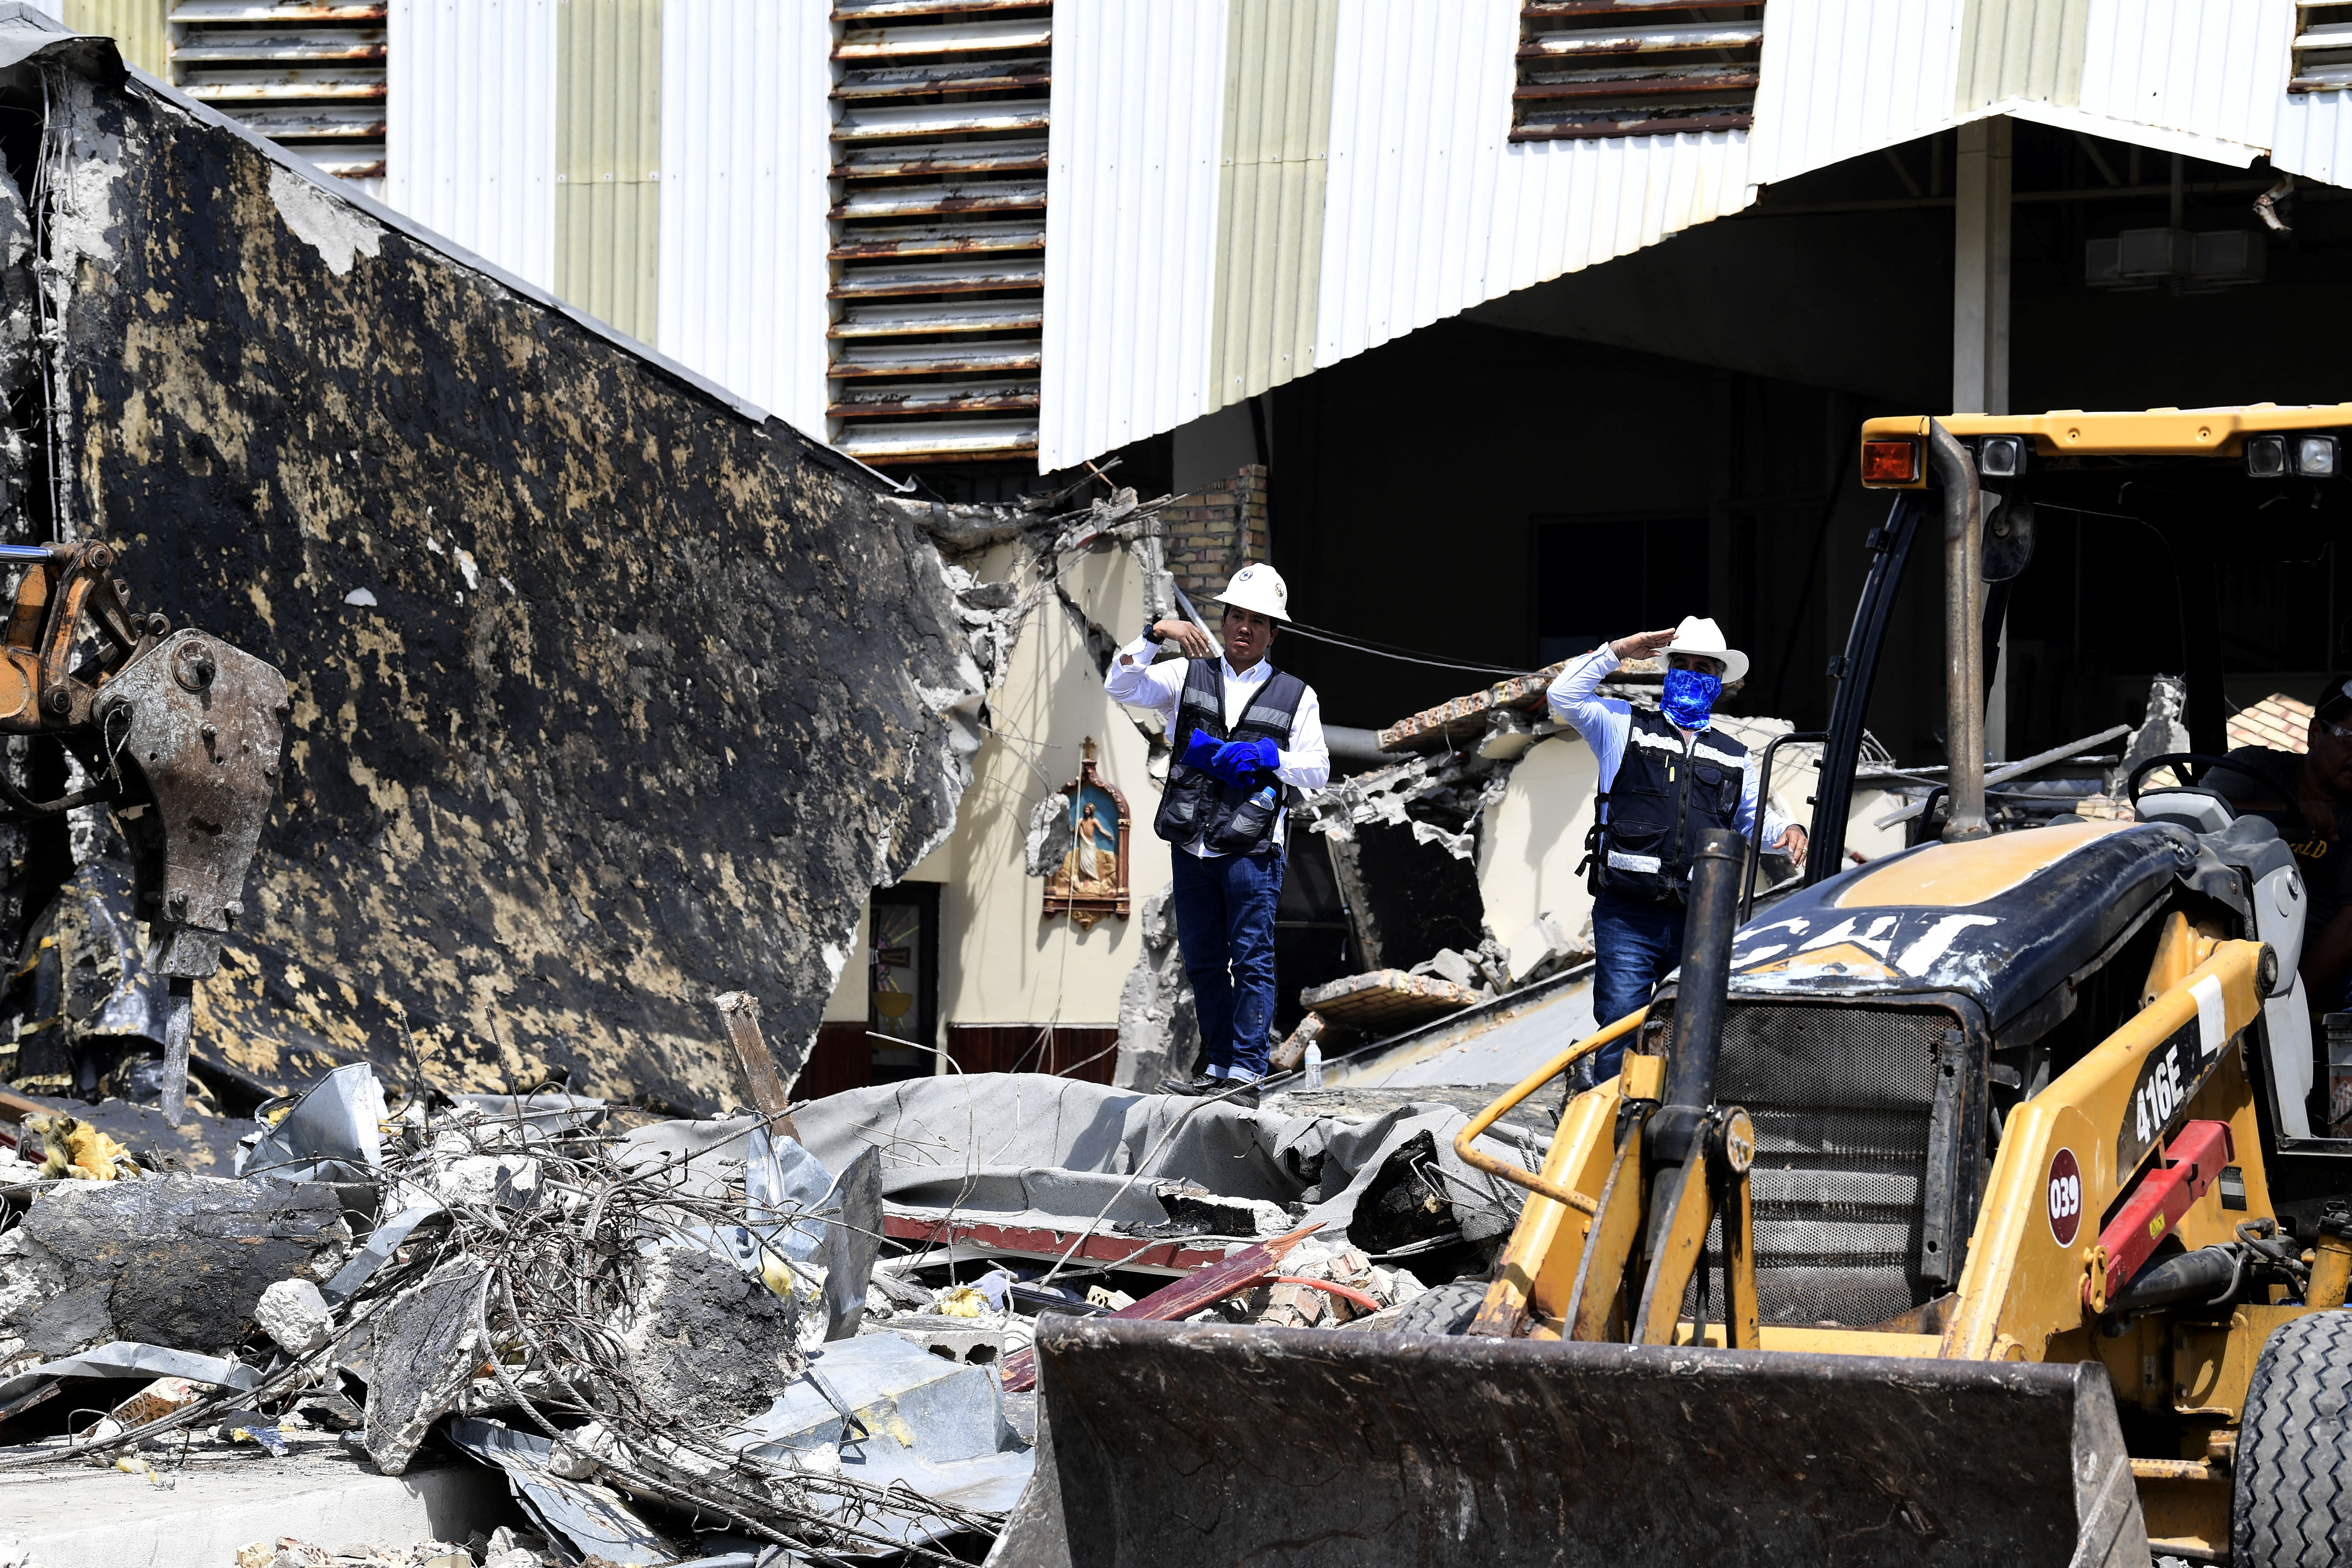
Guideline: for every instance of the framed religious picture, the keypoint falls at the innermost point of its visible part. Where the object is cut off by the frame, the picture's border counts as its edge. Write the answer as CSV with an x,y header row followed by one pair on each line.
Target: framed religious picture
x,y
1091,881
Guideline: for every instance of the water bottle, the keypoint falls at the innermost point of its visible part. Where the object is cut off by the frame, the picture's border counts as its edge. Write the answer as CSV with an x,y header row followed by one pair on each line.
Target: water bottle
x,y
1263,797
1314,1065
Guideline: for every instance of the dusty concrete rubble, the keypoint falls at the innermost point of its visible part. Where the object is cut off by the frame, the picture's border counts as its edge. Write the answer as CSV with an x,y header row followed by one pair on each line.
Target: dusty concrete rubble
x,y
640,1309
628,1326
175,1260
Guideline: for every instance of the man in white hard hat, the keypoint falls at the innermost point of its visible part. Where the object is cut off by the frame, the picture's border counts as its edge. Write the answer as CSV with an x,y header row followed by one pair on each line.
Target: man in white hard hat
x,y
1666,774
1243,732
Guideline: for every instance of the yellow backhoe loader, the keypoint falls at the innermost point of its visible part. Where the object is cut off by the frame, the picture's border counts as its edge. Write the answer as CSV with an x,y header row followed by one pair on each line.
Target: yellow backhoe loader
x,y
1980,1205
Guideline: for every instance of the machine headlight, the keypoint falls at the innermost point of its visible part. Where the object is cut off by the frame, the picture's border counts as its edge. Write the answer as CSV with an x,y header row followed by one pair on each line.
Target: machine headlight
x,y
2000,457
2265,456
2315,456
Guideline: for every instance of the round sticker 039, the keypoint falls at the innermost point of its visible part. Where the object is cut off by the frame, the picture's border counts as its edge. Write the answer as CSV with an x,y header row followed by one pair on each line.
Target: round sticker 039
x,y
2064,1196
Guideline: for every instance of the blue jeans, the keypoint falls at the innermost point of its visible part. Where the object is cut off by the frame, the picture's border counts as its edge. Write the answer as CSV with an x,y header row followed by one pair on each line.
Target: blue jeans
x,y
1636,944
1224,925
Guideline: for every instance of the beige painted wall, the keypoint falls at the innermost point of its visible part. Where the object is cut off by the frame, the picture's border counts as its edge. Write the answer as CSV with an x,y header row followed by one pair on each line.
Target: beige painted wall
x,y
848,1002
1534,836
1000,961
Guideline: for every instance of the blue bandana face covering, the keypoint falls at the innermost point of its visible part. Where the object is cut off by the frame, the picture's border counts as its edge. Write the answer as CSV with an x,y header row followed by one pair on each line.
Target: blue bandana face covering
x,y
1690,697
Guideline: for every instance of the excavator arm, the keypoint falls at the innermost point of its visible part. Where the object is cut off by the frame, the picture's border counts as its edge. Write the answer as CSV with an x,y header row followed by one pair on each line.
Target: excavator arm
x,y
176,730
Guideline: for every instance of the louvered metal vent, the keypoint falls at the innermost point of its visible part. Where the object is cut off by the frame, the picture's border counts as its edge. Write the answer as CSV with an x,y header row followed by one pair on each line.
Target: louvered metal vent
x,y
307,73
939,227
1590,68
2323,46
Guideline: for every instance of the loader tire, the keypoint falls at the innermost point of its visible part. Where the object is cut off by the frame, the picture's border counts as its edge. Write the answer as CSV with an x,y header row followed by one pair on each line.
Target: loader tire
x,y
2291,1500
1442,1309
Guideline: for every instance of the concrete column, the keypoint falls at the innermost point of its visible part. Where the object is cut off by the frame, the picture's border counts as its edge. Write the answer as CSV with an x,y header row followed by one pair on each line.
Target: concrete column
x,y
1980,270
1981,323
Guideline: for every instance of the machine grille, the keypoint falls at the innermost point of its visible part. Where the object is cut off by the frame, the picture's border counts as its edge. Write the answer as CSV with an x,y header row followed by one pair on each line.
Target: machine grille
x,y
1843,1098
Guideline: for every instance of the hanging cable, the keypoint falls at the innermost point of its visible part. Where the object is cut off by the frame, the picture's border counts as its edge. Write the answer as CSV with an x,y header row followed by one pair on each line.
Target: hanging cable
x,y
1361,645
1317,634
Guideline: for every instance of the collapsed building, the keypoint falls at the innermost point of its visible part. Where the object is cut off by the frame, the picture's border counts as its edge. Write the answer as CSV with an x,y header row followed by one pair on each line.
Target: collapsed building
x,y
609,690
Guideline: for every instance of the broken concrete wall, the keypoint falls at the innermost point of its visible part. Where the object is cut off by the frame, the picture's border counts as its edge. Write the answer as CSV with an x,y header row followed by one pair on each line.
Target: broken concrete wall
x,y
1410,897
1002,959
1159,1023
608,695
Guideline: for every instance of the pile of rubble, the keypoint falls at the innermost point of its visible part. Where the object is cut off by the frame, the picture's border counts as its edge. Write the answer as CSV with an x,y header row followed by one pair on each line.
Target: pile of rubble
x,y
638,1329
669,1340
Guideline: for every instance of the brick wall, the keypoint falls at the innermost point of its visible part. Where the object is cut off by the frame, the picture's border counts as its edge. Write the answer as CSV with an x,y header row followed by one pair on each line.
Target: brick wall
x,y
1213,532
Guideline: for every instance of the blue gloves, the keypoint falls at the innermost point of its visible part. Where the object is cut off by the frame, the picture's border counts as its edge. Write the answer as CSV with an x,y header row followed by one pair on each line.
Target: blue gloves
x,y
1234,761
1240,762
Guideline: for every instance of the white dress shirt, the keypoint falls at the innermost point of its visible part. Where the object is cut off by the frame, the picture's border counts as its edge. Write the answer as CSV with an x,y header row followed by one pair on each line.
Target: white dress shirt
x,y
1605,722
1137,682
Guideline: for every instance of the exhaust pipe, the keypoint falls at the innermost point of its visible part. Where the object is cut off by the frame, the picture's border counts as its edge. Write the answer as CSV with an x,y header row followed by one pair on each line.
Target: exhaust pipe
x,y
1700,990
1963,631
1680,1125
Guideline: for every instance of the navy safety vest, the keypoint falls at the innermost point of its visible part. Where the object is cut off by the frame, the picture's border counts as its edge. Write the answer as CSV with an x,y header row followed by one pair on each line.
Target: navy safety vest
x,y
1229,818
1665,795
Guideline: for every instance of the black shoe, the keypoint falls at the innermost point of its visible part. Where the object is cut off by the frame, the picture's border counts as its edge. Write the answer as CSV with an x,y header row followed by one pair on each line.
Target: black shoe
x,y
1195,1087
1242,1092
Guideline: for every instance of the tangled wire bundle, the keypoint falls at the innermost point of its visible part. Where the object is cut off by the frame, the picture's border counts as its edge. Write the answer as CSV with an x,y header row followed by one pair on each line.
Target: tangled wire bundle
x,y
554,1254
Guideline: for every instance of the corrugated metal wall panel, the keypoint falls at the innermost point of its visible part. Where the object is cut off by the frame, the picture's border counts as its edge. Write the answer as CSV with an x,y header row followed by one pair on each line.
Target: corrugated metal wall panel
x,y
2021,48
1427,211
1847,76
1842,77
608,139
2215,69
743,274
1280,57
1430,210
2315,137
2312,135
135,25
470,146
1131,222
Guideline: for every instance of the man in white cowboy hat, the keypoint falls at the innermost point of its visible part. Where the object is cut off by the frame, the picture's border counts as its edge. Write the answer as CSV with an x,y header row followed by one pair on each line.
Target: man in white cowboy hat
x,y
1666,774
1243,732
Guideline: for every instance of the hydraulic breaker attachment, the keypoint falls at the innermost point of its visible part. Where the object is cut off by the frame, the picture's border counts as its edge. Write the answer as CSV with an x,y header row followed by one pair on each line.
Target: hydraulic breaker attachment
x,y
1172,1445
178,732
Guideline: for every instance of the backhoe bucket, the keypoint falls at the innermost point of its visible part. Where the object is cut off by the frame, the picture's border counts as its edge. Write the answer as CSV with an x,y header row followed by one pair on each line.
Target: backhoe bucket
x,y
1168,1445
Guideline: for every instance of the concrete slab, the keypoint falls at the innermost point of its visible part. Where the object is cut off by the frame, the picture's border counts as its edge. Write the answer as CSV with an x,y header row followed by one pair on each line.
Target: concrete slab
x,y
78,1516
1500,1041
899,1391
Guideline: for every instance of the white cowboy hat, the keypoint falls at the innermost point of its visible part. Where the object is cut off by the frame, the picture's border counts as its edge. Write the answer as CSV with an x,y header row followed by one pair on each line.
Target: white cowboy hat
x,y
1258,588
1699,635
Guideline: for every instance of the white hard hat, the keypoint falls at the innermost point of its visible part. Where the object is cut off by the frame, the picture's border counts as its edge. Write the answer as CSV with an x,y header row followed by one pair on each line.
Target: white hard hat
x,y
1259,587
1699,635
